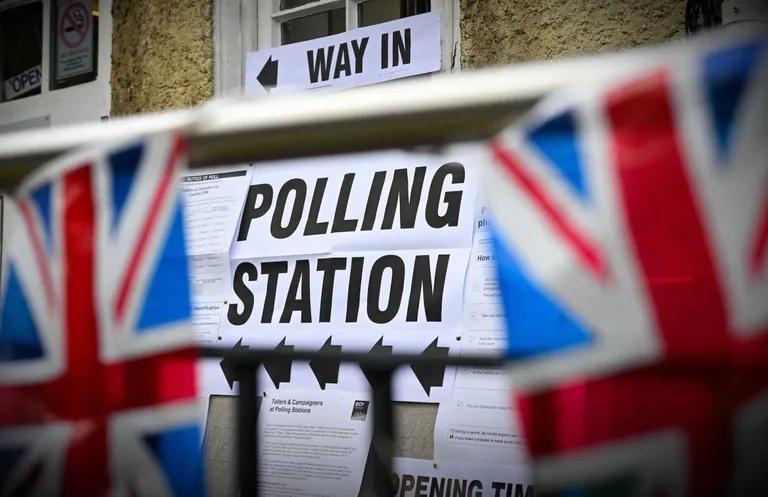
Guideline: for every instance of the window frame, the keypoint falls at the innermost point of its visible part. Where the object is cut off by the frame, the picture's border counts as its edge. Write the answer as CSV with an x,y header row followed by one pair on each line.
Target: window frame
x,y
81,102
242,26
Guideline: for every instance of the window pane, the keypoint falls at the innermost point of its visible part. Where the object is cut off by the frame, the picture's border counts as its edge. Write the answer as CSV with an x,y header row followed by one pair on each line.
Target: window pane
x,y
326,23
378,11
75,36
373,12
413,7
289,4
21,50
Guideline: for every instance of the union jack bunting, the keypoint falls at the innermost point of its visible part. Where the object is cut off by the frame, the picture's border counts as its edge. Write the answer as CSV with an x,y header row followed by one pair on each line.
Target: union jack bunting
x,y
631,231
97,363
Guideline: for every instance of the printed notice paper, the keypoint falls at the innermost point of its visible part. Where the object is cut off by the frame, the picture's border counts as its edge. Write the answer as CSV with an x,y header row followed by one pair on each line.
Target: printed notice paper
x,y
484,329
477,423
213,200
313,443
478,426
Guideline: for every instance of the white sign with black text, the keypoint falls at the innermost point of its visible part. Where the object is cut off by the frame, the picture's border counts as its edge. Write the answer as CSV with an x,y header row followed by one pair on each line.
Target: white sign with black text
x,y
391,50
23,82
420,478
363,252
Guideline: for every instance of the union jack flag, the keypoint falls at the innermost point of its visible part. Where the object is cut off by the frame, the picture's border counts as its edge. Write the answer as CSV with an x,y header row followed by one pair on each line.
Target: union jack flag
x,y
631,231
97,363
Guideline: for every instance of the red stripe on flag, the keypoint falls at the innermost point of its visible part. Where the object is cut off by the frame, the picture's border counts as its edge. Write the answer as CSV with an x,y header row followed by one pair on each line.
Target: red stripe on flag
x,y
605,413
86,465
158,199
152,380
586,250
664,222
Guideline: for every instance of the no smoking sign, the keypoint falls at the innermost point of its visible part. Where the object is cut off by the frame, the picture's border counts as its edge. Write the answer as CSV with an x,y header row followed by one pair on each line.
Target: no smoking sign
x,y
74,51
74,25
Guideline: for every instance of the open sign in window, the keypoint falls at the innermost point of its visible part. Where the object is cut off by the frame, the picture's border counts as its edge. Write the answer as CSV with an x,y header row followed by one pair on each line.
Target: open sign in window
x,y
21,50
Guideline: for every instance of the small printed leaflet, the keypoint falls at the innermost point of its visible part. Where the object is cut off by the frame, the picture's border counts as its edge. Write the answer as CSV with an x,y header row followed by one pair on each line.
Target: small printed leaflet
x,y
313,443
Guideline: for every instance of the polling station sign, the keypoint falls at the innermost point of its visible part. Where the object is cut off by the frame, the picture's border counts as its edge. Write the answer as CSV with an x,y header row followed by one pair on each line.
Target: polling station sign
x,y
367,241
362,252
391,50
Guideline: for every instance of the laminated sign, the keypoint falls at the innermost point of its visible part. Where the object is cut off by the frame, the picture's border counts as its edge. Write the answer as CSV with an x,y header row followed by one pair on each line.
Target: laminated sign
x,y
74,43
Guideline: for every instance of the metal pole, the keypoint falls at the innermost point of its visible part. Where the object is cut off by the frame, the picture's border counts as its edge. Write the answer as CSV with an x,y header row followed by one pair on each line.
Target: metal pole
x,y
383,440
247,440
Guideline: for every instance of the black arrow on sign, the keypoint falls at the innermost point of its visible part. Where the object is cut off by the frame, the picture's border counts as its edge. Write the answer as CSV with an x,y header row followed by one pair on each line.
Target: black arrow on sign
x,y
378,349
279,369
431,375
268,74
326,370
228,368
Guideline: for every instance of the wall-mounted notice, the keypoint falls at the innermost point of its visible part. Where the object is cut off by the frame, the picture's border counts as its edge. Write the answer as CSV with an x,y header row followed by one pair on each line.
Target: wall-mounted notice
x,y
74,43
363,252
213,200
479,426
373,54
420,478
313,443
484,330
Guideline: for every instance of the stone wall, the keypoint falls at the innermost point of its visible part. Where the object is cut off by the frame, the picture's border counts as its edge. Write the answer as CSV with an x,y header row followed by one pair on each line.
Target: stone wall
x,y
503,31
162,54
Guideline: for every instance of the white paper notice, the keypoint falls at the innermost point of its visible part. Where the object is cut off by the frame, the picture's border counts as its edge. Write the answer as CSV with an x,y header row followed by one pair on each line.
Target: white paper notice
x,y
476,426
484,326
313,443
420,478
213,201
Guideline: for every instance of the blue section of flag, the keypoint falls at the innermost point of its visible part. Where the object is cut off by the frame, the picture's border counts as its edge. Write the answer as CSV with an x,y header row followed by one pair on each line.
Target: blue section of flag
x,y
725,78
41,196
557,139
536,324
19,336
124,164
178,452
167,298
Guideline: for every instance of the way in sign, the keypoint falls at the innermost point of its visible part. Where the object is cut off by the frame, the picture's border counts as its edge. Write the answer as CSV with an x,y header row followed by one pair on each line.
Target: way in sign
x,y
369,55
348,58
